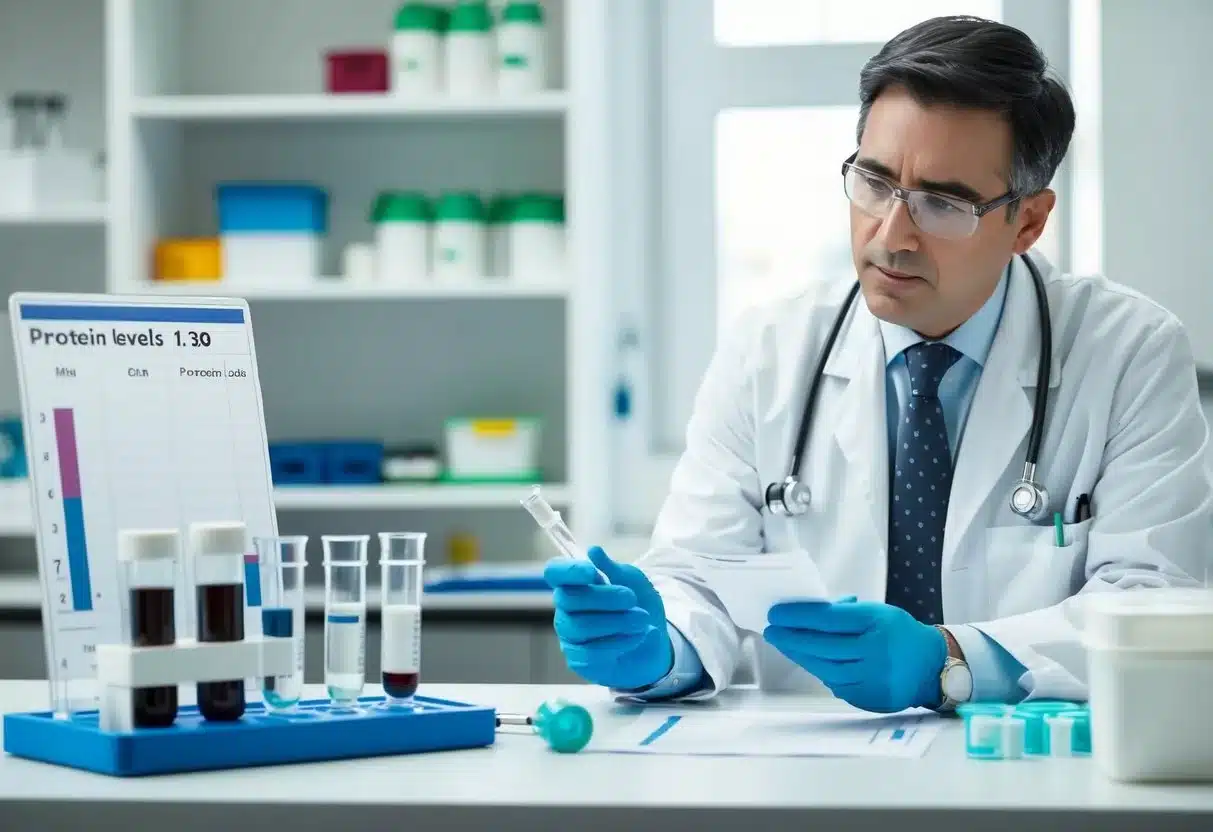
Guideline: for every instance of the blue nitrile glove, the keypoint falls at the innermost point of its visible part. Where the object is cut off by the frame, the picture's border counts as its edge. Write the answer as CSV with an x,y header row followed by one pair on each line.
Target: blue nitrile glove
x,y
613,634
875,656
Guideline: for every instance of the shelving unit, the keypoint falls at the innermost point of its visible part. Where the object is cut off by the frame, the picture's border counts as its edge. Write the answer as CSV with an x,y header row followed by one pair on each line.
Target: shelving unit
x,y
196,92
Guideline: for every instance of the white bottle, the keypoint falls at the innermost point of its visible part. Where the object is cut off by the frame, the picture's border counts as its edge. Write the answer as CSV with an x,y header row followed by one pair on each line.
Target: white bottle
x,y
402,237
537,238
417,63
471,52
521,49
460,237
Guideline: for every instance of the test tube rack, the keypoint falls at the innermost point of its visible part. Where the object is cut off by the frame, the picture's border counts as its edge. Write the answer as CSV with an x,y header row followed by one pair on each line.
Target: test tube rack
x,y
104,740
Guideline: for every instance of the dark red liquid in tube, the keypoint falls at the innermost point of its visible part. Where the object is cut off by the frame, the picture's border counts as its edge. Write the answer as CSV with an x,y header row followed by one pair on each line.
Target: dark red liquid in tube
x,y
221,618
400,685
153,624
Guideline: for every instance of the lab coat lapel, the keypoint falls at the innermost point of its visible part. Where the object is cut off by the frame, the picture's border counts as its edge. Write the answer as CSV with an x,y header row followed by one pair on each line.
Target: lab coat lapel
x,y
1001,413
860,429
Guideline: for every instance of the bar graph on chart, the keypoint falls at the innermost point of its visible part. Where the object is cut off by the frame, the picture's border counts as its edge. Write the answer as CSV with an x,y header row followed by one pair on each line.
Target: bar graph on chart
x,y
140,414
79,584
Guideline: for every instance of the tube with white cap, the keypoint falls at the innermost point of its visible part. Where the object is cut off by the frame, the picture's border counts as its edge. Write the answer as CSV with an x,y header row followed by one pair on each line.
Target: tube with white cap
x,y
148,588
218,560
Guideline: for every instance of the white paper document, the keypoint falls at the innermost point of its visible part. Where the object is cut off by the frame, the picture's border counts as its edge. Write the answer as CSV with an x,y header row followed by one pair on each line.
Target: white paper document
x,y
749,585
771,734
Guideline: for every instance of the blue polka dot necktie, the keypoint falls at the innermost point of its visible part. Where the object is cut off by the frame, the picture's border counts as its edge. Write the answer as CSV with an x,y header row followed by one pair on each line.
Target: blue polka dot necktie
x,y
922,481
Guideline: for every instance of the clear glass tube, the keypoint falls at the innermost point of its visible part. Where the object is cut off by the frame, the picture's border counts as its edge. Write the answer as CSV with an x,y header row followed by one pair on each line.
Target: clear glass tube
x,y
345,617
282,562
552,523
401,563
147,592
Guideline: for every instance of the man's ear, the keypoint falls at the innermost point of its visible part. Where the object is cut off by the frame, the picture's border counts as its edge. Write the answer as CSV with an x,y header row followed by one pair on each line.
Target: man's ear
x,y
1033,214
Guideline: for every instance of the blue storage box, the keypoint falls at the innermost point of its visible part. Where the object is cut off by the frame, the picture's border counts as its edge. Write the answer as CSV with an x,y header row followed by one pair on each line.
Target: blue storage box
x,y
271,208
353,463
297,463
316,731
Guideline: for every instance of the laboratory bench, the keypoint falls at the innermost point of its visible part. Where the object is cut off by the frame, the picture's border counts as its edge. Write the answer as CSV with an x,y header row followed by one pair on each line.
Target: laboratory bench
x,y
500,637
520,784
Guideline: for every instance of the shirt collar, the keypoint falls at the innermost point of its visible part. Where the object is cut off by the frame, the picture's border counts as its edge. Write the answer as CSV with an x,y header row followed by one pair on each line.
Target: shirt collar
x,y
971,339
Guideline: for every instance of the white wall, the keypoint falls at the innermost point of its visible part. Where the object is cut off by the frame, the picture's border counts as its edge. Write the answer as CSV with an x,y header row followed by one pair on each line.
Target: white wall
x,y
1157,123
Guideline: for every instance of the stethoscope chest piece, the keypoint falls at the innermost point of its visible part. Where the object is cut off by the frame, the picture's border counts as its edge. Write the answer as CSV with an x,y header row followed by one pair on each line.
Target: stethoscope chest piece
x,y
1029,499
789,498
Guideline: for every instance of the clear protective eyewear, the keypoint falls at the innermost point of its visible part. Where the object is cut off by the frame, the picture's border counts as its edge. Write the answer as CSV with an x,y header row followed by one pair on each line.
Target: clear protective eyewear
x,y
936,214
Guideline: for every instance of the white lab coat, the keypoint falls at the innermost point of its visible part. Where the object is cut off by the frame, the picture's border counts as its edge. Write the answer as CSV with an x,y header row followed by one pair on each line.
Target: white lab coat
x,y
1124,425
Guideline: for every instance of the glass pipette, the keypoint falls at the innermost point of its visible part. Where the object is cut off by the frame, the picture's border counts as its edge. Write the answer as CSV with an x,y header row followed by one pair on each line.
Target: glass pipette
x,y
554,527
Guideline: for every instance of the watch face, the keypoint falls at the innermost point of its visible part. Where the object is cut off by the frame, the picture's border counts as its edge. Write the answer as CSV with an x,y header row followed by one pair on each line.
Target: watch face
x,y
958,683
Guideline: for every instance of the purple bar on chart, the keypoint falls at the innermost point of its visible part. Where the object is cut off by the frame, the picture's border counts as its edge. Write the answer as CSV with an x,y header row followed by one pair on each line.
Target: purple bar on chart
x,y
73,509
65,446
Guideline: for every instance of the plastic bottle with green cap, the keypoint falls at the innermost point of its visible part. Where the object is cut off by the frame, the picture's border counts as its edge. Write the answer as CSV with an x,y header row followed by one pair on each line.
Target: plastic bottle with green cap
x,y
402,222
522,48
417,63
460,236
537,237
470,49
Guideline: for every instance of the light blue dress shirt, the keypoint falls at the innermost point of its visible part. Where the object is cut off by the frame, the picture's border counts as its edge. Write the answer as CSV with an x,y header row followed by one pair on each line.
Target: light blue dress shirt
x,y
995,671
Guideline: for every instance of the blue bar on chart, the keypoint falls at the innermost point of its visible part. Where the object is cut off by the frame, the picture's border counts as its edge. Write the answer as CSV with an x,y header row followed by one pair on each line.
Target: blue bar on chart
x,y
73,509
252,580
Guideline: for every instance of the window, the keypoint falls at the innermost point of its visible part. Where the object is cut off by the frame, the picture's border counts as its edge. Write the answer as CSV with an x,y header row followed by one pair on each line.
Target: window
x,y
781,214
801,22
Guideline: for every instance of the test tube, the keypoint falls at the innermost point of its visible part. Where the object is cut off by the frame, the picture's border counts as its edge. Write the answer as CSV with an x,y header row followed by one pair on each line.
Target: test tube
x,y
218,560
345,617
283,560
551,523
401,561
149,579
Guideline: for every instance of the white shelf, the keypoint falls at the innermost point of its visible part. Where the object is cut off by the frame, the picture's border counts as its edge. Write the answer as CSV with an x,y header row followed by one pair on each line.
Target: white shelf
x,y
336,289
58,215
422,496
342,106
16,516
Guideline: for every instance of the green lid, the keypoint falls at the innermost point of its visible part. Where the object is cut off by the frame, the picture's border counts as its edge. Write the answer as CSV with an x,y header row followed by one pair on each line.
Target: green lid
x,y
460,206
470,16
501,208
538,208
424,17
523,11
401,206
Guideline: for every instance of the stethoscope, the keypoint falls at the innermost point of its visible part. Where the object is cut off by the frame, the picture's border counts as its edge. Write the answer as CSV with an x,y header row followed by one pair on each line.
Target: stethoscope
x,y
1028,498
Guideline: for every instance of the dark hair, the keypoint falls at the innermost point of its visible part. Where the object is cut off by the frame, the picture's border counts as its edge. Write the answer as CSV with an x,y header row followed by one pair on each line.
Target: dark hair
x,y
971,62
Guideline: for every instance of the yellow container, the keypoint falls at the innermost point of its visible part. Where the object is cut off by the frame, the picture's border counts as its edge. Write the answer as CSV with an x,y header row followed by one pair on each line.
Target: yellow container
x,y
189,259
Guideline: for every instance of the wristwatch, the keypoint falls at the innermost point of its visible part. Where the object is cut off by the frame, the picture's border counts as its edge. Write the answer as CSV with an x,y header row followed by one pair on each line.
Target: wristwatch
x,y
955,680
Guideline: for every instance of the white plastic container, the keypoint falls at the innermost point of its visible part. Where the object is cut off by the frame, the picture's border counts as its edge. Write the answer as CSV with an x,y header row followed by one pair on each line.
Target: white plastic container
x,y
36,180
521,49
537,238
471,51
492,449
252,258
460,238
1150,666
417,53
402,237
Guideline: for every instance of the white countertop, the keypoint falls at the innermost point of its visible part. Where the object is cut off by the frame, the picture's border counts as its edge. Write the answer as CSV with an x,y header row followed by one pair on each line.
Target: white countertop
x,y
520,772
22,592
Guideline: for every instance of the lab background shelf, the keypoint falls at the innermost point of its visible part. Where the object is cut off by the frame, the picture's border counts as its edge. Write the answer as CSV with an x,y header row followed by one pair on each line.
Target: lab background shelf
x,y
180,95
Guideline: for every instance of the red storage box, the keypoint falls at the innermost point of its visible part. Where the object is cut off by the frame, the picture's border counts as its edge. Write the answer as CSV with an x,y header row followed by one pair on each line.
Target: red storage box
x,y
357,70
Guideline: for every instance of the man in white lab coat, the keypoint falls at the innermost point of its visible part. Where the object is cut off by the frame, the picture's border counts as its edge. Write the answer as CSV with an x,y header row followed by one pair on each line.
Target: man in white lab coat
x,y
939,592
